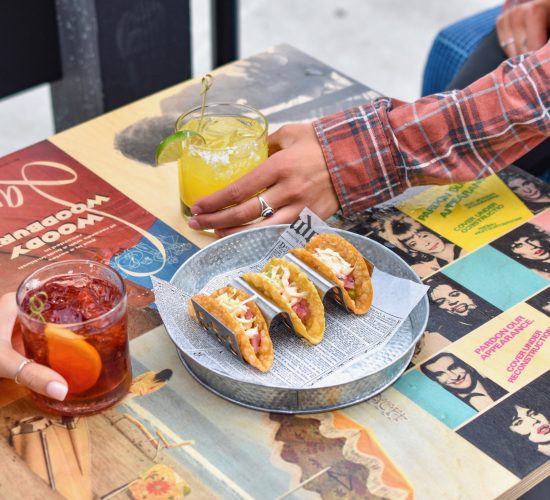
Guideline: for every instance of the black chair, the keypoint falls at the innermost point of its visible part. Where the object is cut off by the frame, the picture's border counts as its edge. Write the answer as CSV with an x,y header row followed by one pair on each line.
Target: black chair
x,y
101,54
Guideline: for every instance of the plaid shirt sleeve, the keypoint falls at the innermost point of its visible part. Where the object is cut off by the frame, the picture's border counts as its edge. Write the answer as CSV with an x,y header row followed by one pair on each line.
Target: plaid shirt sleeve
x,y
376,151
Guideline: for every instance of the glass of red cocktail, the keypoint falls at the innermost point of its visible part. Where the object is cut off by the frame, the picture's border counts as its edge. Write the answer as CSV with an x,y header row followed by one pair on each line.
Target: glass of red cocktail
x,y
73,318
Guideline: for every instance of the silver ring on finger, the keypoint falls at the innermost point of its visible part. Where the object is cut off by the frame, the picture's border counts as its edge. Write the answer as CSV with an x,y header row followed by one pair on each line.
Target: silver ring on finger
x,y
265,209
20,369
507,42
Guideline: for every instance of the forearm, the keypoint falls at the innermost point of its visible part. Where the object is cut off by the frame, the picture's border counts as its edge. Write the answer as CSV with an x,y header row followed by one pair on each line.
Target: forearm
x,y
376,151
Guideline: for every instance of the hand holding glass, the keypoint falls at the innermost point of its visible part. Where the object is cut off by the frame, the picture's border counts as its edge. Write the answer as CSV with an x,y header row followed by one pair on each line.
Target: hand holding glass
x,y
73,318
229,141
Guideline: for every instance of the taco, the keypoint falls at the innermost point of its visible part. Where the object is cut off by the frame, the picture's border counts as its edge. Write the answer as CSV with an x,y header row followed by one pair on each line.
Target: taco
x,y
287,286
238,312
341,263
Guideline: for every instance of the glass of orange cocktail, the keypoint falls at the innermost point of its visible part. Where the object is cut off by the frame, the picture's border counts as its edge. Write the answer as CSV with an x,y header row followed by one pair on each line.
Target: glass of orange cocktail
x,y
73,318
224,142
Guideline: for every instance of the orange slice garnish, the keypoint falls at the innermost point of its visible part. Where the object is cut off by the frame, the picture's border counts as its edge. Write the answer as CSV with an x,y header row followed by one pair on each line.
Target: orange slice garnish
x,y
72,357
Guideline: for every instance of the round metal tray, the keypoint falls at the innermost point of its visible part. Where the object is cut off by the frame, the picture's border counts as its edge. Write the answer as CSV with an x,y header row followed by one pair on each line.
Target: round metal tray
x,y
360,380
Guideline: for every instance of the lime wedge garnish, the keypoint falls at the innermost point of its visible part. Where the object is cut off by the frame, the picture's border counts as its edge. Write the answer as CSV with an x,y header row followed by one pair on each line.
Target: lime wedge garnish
x,y
170,147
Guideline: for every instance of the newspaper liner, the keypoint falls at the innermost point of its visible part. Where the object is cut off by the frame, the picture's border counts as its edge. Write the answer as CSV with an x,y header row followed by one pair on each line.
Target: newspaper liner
x,y
297,364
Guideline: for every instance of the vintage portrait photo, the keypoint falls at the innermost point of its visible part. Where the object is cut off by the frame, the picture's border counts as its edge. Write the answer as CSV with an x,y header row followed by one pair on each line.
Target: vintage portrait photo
x,y
516,431
528,244
430,343
533,192
455,310
462,381
541,301
425,251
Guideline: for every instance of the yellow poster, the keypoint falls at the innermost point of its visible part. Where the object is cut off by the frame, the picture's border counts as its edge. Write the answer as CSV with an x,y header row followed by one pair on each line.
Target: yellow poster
x,y
512,349
470,214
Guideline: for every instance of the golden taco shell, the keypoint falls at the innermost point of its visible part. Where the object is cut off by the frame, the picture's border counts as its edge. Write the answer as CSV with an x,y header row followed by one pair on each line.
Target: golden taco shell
x,y
313,328
263,358
361,273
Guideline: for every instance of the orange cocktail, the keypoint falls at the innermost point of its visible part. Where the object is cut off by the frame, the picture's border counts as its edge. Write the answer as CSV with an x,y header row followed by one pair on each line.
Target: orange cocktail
x,y
73,318
226,142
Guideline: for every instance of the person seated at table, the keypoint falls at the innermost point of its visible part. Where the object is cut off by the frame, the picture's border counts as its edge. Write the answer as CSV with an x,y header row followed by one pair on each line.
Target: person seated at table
x,y
13,364
522,26
366,155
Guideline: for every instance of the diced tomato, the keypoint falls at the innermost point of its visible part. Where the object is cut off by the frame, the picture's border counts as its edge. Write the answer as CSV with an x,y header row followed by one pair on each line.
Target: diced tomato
x,y
349,281
301,308
256,340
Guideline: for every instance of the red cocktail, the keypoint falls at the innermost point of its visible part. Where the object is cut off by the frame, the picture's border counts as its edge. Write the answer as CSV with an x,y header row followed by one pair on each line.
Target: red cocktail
x,y
73,318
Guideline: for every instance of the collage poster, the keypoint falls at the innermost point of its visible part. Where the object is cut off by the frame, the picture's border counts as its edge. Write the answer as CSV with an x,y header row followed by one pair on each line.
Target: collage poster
x,y
481,367
53,208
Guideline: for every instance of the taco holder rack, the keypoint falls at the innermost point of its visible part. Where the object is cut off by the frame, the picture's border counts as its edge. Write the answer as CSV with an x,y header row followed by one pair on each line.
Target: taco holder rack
x,y
361,380
269,310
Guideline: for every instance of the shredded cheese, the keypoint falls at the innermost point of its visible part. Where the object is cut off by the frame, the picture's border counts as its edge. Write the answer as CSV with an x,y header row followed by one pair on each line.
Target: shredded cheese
x,y
334,260
251,332
279,276
238,309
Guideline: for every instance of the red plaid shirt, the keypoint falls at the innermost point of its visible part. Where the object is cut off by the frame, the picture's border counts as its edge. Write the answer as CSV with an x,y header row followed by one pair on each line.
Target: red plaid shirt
x,y
376,151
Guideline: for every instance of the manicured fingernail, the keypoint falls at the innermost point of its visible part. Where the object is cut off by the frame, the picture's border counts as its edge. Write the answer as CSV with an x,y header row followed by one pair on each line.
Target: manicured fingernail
x,y
193,224
196,209
56,390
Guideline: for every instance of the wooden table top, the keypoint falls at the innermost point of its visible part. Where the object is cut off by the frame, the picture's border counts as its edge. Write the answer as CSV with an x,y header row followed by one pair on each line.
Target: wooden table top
x,y
415,439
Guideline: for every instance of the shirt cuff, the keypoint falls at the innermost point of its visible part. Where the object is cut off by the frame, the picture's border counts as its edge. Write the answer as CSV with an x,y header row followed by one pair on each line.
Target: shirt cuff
x,y
360,155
